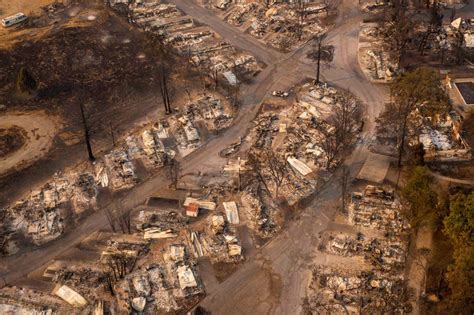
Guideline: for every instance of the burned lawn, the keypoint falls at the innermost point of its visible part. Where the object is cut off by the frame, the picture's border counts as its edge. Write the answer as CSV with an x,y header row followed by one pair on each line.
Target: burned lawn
x,y
96,63
11,140
99,59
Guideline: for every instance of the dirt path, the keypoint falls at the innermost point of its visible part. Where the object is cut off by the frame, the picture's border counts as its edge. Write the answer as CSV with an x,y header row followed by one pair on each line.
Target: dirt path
x,y
40,131
417,272
452,179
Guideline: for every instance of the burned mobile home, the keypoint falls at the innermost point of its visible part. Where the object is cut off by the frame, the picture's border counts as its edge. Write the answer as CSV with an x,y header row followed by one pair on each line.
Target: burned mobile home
x,y
376,232
282,26
377,208
444,141
204,48
45,214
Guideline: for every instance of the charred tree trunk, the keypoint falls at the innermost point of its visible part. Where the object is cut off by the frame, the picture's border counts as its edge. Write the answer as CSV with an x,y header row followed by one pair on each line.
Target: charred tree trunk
x,y
86,133
163,81
216,79
110,218
172,172
110,286
112,134
401,148
168,104
124,221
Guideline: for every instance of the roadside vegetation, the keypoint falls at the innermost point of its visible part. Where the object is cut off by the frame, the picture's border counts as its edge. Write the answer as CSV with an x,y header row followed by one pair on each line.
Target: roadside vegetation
x,y
445,215
450,261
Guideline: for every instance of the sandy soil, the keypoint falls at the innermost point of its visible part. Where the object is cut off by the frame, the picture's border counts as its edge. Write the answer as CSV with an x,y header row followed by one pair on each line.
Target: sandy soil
x,y
9,7
39,24
40,131
11,139
73,54
416,275
28,7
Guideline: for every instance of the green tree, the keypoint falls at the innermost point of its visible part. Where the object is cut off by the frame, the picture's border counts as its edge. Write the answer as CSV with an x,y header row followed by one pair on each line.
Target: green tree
x,y
461,280
419,90
459,224
421,201
459,227
25,82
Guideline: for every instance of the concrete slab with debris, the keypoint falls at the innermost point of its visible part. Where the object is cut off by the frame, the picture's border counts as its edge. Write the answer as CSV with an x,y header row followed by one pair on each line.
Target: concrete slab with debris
x,y
375,168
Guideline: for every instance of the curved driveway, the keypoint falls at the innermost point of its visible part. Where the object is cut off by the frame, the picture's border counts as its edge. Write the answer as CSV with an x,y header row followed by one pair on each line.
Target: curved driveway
x,y
40,132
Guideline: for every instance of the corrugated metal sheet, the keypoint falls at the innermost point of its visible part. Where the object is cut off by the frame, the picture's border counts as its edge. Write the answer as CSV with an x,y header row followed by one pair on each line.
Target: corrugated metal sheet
x,y
231,212
302,168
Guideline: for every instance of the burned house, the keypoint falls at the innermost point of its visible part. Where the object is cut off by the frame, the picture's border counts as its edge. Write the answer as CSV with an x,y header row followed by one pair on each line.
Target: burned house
x,y
261,217
377,208
341,292
388,254
201,45
374,60
443,141
343,283
216,238
284,26
159,223
41,216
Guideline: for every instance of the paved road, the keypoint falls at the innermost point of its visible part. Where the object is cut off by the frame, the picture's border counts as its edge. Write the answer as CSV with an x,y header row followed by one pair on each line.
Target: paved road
x,y
285,72
228,32
275,278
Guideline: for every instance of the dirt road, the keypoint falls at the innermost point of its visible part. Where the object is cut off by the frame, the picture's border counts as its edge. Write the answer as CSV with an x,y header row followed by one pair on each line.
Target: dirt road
x,y
40,132
274,279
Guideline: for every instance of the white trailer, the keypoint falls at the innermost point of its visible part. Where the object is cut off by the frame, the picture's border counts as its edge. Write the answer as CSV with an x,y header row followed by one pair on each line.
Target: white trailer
x,y
14,19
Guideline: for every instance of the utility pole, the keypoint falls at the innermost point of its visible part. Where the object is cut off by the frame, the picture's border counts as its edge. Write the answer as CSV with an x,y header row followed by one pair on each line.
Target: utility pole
x,y
86,133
